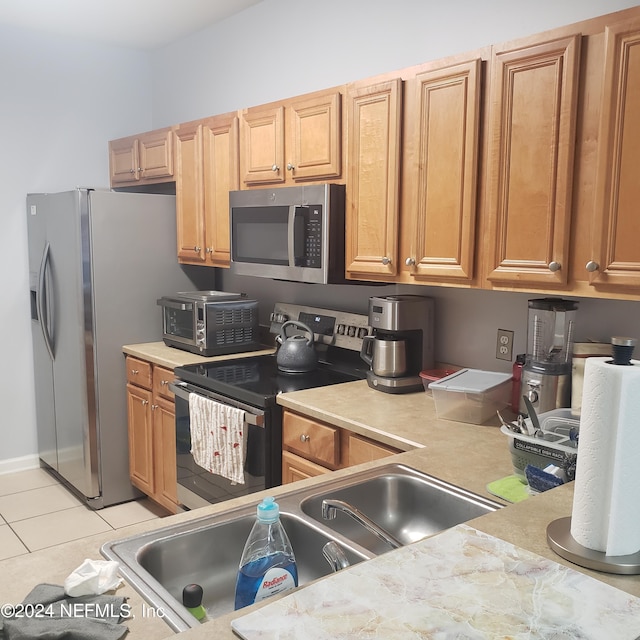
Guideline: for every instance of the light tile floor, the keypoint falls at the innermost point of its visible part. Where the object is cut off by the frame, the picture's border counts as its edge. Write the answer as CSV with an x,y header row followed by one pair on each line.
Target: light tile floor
x,y
37,511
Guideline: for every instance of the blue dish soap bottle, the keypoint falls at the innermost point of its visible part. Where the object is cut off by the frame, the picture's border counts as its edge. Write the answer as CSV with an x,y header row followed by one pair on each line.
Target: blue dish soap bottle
x,y
268,564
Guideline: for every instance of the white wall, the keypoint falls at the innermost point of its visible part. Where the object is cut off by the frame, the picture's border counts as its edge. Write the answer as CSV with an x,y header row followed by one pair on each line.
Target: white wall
x,y
61,102
282,48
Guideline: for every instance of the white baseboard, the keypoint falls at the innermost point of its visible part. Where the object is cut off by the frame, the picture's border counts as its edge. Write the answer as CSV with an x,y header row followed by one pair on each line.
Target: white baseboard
x,y
23,463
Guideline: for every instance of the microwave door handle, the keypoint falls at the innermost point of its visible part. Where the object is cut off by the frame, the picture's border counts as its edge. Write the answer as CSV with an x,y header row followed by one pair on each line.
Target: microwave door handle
x,y
291,239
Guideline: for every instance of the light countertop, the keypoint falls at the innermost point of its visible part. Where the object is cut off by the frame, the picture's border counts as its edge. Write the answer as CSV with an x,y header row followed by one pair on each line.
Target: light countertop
x,y
463,454
170,357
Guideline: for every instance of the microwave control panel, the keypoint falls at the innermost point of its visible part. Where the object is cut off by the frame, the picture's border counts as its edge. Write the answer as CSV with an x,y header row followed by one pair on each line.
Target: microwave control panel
x,y
308,236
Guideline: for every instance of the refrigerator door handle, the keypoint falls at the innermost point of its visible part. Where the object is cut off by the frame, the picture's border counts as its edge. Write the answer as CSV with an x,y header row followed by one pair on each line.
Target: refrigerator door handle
x,y
43,300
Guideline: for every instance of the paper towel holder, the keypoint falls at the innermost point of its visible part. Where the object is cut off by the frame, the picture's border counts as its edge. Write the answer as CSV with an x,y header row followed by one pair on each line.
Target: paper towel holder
x,y
563,543
559,536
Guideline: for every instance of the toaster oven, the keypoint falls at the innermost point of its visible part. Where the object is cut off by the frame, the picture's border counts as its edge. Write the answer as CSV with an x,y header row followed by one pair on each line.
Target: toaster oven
x,y
210,323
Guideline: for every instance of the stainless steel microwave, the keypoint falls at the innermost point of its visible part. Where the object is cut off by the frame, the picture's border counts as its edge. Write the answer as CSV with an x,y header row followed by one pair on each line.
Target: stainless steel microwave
x,y
290,233
210,323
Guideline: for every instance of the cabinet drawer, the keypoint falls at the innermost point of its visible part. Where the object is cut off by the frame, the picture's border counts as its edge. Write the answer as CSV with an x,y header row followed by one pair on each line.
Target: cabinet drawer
x,y
364,450
139,372
311,439
161,379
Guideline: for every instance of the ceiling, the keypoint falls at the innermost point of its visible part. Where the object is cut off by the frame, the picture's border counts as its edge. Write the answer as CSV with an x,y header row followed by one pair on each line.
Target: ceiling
x,y
138,24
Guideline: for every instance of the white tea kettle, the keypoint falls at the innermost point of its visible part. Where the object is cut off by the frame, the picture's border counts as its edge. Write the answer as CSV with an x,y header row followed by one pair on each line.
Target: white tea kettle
x,y
296,353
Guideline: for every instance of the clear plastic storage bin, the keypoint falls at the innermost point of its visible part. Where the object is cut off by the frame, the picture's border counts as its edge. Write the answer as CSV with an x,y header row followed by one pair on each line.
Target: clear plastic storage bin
x,y
471,395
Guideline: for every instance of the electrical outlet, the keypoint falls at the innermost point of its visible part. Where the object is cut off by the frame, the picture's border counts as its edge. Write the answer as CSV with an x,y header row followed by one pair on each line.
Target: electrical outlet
x,y
504,346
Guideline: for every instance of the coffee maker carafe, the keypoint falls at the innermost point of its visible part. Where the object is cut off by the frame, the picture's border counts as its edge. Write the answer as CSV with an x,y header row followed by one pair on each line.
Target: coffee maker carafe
x,y
546,376
401,344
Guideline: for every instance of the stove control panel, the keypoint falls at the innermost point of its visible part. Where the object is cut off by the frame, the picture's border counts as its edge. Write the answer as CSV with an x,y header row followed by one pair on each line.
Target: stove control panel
x,y
332,328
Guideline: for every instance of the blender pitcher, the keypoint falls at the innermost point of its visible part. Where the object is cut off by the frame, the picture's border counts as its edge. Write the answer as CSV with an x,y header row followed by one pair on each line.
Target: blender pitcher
x,y
546,376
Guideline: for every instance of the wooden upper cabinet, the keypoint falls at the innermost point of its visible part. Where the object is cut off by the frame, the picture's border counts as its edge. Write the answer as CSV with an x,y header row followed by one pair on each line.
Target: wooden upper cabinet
x,y
314,142
294,140
145,158
374,114
442,116
262,145
207,169
616,230
533,99
221,175
190,194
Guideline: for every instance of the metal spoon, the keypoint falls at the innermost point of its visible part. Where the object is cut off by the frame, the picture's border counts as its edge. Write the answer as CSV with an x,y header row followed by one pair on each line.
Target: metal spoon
x,y
512,426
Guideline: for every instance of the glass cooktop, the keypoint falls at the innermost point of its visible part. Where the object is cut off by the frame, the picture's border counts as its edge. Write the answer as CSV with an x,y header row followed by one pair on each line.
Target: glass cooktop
x,y
257,380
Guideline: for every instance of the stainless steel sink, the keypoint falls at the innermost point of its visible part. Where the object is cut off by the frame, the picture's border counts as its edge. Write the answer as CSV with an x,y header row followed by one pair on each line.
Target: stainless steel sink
x,y
408,504
207,552
405,503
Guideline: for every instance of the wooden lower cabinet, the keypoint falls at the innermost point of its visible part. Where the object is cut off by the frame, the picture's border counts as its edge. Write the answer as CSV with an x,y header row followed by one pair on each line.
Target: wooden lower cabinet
x,y
152,434
311,448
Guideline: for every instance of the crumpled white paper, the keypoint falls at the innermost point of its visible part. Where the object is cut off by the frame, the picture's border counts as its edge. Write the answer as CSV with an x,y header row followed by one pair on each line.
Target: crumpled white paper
x,y
92,578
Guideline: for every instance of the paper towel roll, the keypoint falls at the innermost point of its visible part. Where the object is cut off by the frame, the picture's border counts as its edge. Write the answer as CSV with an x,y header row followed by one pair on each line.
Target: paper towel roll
x,y
606,504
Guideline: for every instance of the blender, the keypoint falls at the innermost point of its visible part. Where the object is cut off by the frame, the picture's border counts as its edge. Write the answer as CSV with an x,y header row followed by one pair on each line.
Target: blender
x,y
546,375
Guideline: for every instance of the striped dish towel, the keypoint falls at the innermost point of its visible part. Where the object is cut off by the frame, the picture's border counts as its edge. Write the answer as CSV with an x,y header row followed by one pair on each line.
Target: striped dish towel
x,y
218,441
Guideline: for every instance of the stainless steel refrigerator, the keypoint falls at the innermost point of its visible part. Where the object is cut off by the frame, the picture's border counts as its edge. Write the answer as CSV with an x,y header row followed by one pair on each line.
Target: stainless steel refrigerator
x,y
98,261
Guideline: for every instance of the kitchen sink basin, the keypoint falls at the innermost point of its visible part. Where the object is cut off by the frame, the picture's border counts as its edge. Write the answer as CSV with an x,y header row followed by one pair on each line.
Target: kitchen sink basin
x,y
207,552
405,503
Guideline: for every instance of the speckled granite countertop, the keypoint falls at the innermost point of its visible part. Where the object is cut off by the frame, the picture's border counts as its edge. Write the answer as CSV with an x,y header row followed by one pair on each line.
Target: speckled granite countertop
x,y
463,454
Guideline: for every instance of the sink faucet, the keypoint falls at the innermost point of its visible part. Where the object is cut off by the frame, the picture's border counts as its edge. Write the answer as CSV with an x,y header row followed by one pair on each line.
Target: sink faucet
x,y
330,506
335,556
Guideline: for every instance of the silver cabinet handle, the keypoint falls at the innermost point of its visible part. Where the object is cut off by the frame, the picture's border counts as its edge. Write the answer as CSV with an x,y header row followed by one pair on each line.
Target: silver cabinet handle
x,y
554,266
145,403
196,249
208,250
304,438
154,407
275,168
409,262
592,266
290,167
164,383
386,260
135,372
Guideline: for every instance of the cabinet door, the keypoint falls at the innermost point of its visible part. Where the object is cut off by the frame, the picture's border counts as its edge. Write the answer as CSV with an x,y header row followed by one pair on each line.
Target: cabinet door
x,y
221,175
262,145
616,229
295,468
189,194
156,154
140,438
314,141
441,164
165,467
123,160
373,131
533,121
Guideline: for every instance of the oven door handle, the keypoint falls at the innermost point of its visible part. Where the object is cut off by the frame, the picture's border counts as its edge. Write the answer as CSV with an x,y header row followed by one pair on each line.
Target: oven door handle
x,y
251,414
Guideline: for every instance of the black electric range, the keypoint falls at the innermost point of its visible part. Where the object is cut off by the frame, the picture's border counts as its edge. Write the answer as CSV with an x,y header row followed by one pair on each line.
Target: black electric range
x,y
252,384
256,380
